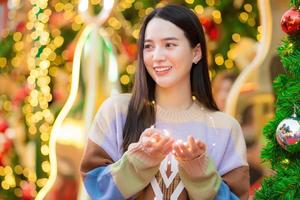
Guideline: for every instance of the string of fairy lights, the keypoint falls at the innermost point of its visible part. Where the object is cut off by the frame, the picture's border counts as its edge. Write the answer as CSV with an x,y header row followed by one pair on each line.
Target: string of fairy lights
x,y
36,109
8,172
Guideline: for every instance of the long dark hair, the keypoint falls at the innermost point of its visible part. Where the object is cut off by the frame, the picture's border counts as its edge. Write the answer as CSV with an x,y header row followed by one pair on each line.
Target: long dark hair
x,y
141,110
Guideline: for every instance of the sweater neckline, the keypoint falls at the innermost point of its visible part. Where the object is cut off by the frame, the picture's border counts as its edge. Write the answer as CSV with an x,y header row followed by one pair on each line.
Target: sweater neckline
x,y
187,114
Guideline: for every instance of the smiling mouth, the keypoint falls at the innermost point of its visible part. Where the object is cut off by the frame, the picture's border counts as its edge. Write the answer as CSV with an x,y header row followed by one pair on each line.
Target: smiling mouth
x,y
162,69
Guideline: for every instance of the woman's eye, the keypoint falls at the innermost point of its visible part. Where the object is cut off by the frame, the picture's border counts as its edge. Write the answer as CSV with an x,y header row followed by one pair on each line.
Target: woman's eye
x,y
147,46
168,45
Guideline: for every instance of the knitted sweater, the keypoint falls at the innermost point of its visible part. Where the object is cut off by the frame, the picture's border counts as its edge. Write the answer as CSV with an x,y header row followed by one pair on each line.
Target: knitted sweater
x,y
110,173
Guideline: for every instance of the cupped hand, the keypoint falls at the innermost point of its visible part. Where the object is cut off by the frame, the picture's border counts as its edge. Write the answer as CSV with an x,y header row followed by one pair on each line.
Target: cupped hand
x,y
189,150
156,143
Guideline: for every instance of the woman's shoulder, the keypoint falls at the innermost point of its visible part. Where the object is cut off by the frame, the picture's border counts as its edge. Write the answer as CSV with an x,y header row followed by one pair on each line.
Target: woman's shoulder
x,y
116,102
223,120
118,99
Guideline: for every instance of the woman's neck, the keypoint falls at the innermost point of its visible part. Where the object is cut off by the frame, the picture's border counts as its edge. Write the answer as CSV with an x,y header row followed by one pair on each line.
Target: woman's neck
x,y
176,98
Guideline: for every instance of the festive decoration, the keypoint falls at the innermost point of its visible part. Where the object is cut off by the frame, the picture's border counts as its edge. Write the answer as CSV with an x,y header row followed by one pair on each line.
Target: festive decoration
x,y
3,126
99,79
288,134
3,14
290,21
28,190
38,81
282,148
20,96
211,28
5,140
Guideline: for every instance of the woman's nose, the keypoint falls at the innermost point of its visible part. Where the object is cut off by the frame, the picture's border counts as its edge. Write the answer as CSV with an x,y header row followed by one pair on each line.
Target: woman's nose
x,y
158,54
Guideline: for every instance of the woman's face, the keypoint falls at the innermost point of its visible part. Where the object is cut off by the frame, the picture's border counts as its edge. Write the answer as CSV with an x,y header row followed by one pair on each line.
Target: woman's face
x,y
168,56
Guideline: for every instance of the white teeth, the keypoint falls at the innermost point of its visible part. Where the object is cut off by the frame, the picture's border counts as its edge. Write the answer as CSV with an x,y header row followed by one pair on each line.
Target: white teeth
x,y
161,69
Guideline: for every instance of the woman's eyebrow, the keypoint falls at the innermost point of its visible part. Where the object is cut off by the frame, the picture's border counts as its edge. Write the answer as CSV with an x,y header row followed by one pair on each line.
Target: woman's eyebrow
x,y
164,39
170,38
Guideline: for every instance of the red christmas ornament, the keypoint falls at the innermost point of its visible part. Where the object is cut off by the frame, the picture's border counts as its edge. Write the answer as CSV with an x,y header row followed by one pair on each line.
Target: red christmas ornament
x,y
7,144
3,126
290,21
210,28
20,95
130,49
27,191
21,27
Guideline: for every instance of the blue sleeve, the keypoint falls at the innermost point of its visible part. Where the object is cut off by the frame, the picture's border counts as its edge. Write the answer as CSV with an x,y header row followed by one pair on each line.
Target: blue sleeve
x,y
224,193
100,185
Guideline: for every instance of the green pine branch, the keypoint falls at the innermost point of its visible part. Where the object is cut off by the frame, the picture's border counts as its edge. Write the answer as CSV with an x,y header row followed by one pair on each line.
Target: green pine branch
x,y
284,184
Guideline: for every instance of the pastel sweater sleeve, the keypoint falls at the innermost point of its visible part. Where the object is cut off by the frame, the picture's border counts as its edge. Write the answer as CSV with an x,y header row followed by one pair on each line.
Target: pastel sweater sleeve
x,y
106,178
201,178
204,181
234,169
235,151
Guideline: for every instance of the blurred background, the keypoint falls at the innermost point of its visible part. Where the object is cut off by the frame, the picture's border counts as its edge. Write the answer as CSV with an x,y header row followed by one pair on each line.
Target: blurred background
x,y
59,59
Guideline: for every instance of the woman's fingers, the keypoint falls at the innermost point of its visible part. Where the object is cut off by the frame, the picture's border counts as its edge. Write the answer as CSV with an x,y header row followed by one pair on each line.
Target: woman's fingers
x,y
190,150
192,143
156,143
164,145
168,146
201,145
187,150
177,151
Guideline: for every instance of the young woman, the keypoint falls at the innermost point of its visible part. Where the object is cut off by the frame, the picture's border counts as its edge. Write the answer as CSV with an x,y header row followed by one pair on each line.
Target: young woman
x,y
166,140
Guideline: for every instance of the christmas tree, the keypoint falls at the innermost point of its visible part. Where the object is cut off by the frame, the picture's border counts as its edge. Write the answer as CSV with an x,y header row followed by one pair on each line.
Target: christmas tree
x,y
283,132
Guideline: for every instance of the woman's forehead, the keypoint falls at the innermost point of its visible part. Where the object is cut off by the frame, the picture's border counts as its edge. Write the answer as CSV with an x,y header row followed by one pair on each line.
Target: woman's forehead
x,y
160,29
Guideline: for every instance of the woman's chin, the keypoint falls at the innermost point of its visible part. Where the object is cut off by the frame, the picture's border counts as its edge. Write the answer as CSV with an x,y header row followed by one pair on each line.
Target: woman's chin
x,y
165,83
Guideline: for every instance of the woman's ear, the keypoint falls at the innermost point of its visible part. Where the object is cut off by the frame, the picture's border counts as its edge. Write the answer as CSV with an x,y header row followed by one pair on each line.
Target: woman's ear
x,y
197,53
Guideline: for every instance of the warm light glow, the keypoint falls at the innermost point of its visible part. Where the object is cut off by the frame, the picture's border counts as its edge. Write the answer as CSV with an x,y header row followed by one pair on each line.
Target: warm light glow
x,y
3,62
101,17
71,133
248,7
62,115
219,60
189,1
135,33
236,37
210,2
199,9
125,79
130,69
261,53
17,36
228,63
243,17
83,5
166,132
